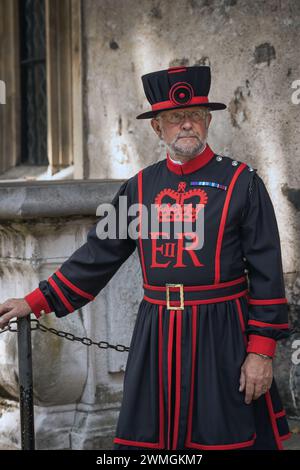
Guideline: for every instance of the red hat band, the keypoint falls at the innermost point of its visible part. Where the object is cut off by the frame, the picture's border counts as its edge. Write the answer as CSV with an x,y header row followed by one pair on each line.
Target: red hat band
x,y
167,104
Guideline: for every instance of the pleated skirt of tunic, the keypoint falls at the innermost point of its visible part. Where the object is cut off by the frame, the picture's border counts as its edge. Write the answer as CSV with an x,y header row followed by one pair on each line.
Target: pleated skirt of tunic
x,y
181,383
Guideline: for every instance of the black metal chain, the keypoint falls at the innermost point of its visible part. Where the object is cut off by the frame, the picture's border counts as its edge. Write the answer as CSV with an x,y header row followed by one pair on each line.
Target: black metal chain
x,y
86,341
36,325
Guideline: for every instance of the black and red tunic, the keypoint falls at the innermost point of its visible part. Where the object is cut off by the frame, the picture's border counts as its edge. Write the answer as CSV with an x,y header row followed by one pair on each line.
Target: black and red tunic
x,y
190,339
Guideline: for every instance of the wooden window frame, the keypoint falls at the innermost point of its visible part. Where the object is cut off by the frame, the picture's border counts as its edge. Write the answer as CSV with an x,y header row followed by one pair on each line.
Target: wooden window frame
x,y
64,85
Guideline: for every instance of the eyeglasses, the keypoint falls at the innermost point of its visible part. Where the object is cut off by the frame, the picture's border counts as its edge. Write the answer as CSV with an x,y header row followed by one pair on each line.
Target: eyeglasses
x,y
179,116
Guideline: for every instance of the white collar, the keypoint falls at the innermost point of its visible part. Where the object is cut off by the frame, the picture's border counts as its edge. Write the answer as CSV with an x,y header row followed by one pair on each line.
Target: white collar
x,y
178,162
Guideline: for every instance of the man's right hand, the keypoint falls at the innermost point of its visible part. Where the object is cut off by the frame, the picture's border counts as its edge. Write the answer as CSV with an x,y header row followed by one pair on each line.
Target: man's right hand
x,y
13,308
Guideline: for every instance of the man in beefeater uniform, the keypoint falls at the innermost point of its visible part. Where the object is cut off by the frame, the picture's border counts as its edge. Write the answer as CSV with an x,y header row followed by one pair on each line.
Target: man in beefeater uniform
x,y
199,371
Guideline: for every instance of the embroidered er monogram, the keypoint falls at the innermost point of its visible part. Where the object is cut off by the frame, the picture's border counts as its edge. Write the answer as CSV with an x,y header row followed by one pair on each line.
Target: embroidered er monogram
x,y
173,207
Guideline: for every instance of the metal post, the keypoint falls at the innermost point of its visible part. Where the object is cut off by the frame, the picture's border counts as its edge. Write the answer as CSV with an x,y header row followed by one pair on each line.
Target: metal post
x,y
26,383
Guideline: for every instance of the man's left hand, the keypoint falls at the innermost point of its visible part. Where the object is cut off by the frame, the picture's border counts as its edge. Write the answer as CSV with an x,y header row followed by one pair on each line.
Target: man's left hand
x,y
256,376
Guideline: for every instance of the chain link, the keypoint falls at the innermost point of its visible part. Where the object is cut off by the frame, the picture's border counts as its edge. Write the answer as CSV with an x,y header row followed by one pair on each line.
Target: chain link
x,y
9,327
36,325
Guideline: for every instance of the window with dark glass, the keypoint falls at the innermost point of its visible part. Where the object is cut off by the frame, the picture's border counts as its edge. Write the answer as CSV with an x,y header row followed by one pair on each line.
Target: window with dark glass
x,y
33,82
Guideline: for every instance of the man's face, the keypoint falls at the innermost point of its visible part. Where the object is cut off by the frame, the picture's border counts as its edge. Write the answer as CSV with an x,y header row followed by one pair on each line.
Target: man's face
x,y
185,138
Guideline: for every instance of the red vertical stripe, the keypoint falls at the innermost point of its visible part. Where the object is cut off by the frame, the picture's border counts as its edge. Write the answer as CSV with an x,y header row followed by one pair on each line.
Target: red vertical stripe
x,y
273,420
191,402
178,377
170,353
241,318
140,197
160,378
223,220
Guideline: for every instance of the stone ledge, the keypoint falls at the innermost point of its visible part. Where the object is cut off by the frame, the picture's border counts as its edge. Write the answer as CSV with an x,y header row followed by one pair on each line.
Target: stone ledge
x,y
27,200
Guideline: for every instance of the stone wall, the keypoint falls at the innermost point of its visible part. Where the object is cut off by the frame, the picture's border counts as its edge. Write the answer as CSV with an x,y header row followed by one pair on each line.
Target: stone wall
x,y
77,389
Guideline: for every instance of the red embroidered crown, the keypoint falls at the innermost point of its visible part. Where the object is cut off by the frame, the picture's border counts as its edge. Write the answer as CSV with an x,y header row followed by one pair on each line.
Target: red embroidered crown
x,y
186,212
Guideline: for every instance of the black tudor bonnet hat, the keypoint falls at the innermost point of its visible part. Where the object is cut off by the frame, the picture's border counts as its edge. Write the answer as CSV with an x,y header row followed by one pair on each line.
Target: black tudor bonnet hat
x,y
178,87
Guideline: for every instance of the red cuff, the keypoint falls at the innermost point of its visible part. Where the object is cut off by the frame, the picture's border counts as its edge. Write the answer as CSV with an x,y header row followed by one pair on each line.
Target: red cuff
x,y
262,345
37,302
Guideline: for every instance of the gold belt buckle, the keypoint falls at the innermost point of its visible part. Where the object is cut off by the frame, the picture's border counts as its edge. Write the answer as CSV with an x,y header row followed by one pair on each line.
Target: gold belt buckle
x,y
181,306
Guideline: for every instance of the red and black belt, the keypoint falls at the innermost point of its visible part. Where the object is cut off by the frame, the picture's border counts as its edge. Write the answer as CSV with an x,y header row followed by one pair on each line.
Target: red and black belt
x,y
177,296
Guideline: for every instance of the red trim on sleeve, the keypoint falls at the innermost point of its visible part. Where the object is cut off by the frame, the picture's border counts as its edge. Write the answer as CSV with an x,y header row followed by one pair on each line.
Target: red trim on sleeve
x,y
68,283
262,345
37,302
282,300
64,300
270,325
